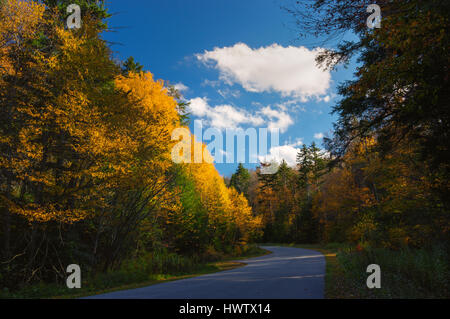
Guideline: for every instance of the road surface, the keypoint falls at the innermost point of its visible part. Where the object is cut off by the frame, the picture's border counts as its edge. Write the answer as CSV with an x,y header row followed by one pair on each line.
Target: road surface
x,y
287,273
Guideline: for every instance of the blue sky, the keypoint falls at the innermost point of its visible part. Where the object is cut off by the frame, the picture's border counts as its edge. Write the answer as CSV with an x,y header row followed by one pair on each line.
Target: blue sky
x,y
238,63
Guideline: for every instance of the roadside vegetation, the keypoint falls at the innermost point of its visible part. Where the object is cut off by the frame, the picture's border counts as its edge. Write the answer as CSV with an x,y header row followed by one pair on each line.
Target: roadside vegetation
x,y
405,273
147,270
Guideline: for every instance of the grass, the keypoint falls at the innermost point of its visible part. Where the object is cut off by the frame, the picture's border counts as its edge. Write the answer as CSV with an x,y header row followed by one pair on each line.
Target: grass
x,y
405,273
203,270
138,273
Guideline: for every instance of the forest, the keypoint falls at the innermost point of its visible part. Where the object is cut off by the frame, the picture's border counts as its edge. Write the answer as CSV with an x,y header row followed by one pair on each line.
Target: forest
x,y
87,177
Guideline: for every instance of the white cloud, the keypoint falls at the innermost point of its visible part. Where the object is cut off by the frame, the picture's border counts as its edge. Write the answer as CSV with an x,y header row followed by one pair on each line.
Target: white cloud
x,y
290,71
287,152
318,136
222,152
298,142
210,83
223,116
181,87
228,116
277,119
227,93
199,106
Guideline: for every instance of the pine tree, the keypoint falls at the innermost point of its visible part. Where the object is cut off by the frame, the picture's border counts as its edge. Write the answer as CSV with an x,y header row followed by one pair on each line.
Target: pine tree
x,y
240,180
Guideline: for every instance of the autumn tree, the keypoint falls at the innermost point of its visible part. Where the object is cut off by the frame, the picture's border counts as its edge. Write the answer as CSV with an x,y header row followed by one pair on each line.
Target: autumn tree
x,y
53,92
141,167
82,144
400,92
276,202
396,109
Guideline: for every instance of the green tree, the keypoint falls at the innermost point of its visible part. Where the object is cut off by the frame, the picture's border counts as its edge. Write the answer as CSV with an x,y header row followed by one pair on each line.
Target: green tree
x,y
186,228
131,66
240,180
311,164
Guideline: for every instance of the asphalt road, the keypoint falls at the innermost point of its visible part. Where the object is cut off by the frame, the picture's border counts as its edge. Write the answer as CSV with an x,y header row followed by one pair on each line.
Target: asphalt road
x,y
287,273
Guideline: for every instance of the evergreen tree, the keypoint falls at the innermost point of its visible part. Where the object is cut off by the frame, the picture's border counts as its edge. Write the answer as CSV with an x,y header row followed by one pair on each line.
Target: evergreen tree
x,y
240,180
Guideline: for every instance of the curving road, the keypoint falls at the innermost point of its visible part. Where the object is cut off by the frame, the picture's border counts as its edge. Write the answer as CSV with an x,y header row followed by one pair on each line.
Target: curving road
x,y
287,273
